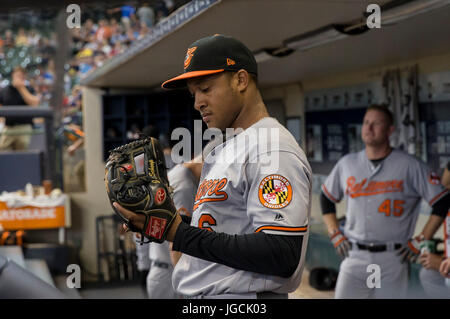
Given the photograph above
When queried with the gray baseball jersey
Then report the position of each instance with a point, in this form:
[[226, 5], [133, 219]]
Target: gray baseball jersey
[[249, 184], [159, 279], [383, 202], [184, 185]]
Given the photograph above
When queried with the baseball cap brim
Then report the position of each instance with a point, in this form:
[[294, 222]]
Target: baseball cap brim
[[180, 81]]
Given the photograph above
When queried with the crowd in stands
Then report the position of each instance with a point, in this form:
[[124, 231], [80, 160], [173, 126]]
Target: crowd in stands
[[104, 33]]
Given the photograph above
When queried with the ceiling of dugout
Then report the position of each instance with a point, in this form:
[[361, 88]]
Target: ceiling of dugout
[[267, 23]]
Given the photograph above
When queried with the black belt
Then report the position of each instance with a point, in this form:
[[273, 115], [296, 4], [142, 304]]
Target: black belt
[[376, 248]]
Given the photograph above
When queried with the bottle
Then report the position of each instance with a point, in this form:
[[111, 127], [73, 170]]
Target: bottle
[[427, 246], [29, 190], [47, 184]]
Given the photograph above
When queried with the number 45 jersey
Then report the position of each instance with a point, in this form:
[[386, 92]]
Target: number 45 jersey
[[383, 201]]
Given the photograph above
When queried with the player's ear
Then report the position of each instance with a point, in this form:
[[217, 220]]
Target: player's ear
[[243, 80]]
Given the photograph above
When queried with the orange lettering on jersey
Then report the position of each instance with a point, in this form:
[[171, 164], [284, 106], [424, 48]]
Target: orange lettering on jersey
[[211, 191], [206, 219], [355, 189]]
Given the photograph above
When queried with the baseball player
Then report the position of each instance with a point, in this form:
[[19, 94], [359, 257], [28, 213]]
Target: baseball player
[[432, 281], [383, 187], [249, 229], [184, 180]]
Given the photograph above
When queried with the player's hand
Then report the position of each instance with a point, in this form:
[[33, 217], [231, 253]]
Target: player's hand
[[444, 269], [137, 220], [430, 261], [411, 250], [340, 243]]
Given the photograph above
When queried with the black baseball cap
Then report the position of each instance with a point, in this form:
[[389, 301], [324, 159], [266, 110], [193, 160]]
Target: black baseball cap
[[213, 54]]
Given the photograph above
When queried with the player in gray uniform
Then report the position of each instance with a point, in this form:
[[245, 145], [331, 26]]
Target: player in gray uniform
[[183, 179], [383, 188], [434, 283], [249, 229]]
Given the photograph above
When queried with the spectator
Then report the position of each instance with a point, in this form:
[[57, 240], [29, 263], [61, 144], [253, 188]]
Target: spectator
[[9, 39], [21, 38], [118, 48], [127, 11], [103, 32], [170, 5], [159, 16], [49, 74], [114, 26], [146, 14], [160, 6], [17, 93], [101, 55], [88, 30], [33, 38], [143, 31]]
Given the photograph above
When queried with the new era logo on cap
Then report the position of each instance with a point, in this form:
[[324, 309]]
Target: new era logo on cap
[[212, 55]]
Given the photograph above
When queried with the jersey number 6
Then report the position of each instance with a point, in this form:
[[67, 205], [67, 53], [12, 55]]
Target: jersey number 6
[[396, 208], [208, 220]]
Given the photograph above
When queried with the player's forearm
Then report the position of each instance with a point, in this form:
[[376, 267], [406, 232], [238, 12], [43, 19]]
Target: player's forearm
[[331, 223], [329, 214], [174, 255], [431, 227], [258, 252]]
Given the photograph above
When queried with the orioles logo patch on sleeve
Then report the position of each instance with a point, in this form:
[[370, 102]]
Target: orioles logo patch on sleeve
[[275, 192]]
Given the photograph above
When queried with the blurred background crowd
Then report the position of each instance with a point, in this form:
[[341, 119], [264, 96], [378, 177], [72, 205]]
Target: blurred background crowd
[[28, 40]]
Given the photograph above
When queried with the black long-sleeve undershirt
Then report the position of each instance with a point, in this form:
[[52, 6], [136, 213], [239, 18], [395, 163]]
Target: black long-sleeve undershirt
[[441, 207], [327, 206], [268, 254]]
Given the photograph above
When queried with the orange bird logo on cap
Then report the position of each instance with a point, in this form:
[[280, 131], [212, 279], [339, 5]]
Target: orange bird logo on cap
[[189, 55]]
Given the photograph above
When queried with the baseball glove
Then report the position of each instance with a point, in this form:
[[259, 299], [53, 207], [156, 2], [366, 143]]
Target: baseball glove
[[136, 178]]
